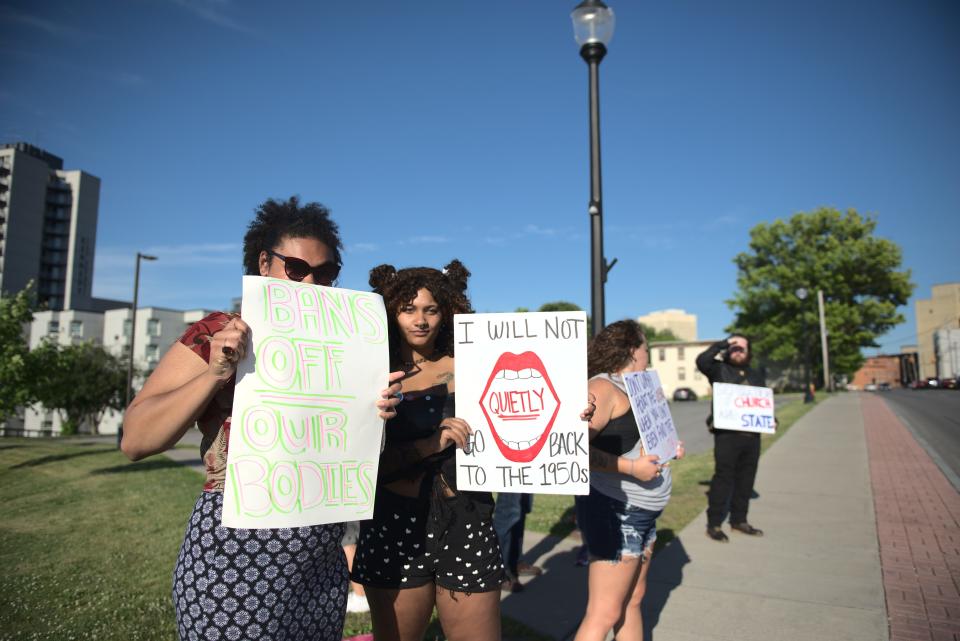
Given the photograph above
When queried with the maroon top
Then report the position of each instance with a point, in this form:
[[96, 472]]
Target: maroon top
[[214, 422]]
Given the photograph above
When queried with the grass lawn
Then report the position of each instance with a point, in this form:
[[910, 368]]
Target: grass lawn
[[88, 542], [553, 514]]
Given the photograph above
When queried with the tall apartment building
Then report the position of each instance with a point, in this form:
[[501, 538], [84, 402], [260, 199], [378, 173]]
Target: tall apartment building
[[682, 324], [940, 311], [48, 228]]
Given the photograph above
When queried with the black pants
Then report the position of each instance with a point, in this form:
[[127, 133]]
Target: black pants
[[735, 456]]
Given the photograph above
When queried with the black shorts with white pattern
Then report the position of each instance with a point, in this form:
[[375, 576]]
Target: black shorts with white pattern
[[408, 544]]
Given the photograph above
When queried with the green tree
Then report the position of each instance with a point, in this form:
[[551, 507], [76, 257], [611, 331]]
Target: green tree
[[653, 335], [559, 306], [836, 252], [658, 335], [81, 382], [15, 312]]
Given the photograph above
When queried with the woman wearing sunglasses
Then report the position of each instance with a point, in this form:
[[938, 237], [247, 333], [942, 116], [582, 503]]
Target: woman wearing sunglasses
[[233, 583]]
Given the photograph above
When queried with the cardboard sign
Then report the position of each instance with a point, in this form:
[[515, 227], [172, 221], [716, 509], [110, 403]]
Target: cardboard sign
[[657, 431], [743, 408], [521, 385], [305, 435]]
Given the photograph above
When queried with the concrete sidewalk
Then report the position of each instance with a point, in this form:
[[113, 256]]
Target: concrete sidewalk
[[815, 575]]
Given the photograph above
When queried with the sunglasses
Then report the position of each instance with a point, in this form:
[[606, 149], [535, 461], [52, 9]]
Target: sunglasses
[[297, 269]]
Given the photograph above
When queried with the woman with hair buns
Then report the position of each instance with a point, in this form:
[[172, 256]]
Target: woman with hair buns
[[235, 583], [427, 544]]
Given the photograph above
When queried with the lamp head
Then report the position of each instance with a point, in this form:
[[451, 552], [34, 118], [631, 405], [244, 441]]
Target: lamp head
[[593, 23], [146, 257]]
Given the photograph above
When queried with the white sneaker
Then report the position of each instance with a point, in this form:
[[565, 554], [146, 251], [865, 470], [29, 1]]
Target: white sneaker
[[357, 603]]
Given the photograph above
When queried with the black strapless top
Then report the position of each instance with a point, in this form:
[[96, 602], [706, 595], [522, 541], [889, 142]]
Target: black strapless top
[[619, 436], [419, 417]]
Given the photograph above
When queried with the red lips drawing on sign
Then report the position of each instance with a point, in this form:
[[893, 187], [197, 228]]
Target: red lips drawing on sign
[[520, 405]]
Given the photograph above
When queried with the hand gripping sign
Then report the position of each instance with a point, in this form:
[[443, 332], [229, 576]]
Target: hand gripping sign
[[305, 434], [657, 431], [743, 408], [521, 385]]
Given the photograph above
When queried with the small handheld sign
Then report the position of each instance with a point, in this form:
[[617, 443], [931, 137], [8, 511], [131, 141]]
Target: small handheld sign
[[657, 431], [743, 408]]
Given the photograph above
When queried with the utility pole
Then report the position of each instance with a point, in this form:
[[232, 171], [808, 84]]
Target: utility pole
[[827, 384]]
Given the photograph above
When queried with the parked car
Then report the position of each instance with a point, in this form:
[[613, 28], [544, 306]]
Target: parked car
[[684, 394], [949, 383], [884, 387], [870, 387], [931, 383]]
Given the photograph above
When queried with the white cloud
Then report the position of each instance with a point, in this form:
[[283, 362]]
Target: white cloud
[[171, 255], [50, 27], [424, 240], [210, 10]]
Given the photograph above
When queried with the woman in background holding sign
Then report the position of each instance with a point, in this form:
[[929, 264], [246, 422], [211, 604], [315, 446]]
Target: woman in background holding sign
[[618, 517], [427, 545], [234, 583]]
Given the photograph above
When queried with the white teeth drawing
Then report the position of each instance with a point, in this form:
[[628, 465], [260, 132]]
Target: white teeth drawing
[[520, 405]]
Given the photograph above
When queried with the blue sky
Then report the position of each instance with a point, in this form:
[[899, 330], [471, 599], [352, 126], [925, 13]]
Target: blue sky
[[458, 129]]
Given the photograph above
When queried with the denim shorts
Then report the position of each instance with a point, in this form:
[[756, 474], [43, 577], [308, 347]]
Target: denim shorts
[[613, 529]]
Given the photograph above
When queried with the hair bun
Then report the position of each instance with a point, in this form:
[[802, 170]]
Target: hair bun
[[381, 275], [457, 274]]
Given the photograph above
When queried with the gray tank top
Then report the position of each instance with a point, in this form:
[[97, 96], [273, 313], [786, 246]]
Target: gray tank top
[[650, 495]]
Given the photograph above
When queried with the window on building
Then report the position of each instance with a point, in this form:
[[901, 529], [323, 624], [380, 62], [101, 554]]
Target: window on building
[[153, 352], [53, 327], [76, 328], [662, 354], [127, 326], [681, 373], [680, 353], [153, 327]]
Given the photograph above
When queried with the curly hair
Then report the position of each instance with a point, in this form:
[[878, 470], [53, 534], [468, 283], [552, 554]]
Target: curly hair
[[448, 287], [276, 220], [613, 347]]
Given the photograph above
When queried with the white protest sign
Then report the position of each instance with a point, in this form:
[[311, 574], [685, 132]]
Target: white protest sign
[[743, 408], [521, 385], [305, 435], [657, 431]]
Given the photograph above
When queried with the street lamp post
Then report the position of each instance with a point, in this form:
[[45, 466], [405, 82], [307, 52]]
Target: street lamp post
[[827, 383], [593, 23], [801, 293], [133, 335]]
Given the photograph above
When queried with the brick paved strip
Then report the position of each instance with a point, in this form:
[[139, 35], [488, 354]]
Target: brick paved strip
[[918, 527]]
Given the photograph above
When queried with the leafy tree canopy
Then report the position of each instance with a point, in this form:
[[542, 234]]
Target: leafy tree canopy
[[80, 381], [15, 312], [836, 252], [653, 335], [559, 306], [658, 335]]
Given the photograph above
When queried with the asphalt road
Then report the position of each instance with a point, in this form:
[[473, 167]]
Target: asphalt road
[[689, 418], [933, 417]]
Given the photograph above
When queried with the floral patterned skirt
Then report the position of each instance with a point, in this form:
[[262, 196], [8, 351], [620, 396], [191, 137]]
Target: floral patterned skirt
[[279, 584]]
